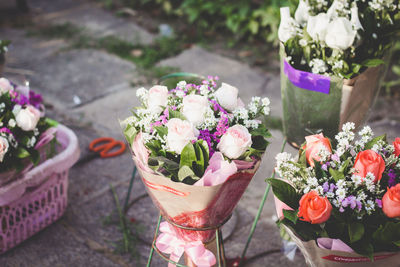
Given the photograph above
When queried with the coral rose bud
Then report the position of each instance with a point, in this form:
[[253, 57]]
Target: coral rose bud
[[391, 202], [314, 209], [396, 145], [314, 144], [369, 161]]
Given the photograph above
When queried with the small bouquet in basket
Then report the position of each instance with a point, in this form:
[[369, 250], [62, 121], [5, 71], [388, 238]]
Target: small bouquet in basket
[[197, 147], [24, 131], [341, 200], [333, 59]]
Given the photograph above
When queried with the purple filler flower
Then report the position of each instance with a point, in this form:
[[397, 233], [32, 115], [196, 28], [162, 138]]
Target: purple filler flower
[[35, 99], [378, 202], [325, 186], [392, 178]]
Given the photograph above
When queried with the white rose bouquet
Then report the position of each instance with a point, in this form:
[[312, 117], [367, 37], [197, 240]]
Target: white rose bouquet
[[339, 37], [332, 62], [197, 147], [23, 129]]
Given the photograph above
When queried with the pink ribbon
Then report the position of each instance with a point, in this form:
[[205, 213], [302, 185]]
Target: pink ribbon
[[169, 243]]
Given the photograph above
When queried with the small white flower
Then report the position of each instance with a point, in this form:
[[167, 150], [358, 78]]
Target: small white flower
[[318, 66], [341, 193], [182, 84], [12, 123], [303, 42], [357, 180]]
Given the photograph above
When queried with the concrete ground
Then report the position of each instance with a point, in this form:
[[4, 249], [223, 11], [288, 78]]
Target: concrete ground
[[89, 90]]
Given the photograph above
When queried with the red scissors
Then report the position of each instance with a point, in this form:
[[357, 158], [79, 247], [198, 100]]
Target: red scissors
[[106, 145]]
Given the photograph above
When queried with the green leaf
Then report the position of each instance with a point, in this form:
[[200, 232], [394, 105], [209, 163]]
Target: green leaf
[[22, 153], [130, 133], [261, 131], [185, 171], [161, 130], [356, 67], [259, 143], [188, 155], [344, 165], [373, 62], [374, 141], [51, 122], [175, 114], [206, 153], [291, 215], [388, 233], [285, 192], [397, 243], [336, 175], [35, 156], [356, 231]]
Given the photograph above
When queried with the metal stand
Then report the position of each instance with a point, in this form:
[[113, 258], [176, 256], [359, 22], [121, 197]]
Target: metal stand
[[257, 218], [218, 238]]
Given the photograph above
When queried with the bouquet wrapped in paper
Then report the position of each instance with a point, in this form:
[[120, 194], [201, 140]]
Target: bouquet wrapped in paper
[[26, 136], [334, 55], [197, 147], [340, 200]]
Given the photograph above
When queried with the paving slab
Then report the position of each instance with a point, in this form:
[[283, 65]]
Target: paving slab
[[86, 74], [107, 111], [250, 82], [95, 20], [53, 246]]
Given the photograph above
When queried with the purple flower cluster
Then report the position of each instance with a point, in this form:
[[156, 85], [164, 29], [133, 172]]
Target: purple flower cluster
[[328, 187], [352, 202], [392, 178], [209, 138], [5, 130], [217, 107], [222, 126]]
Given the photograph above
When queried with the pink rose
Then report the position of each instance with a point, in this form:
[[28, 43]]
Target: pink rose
[[5, 86], [235, 141], [314, 144], [194, 107], [369, 161], [180, 133], [141, 152], [157, 98], [3, 147], [217, 171], [396, 145], [391, 202], [28, 118]]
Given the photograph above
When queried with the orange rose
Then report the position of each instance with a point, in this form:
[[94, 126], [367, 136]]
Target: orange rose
[[369, 161], [314, 143], [314, 209], [391, 202], [396, 145]]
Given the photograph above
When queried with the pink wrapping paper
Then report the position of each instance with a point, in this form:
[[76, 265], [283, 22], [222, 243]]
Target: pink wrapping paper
[[196, 206]]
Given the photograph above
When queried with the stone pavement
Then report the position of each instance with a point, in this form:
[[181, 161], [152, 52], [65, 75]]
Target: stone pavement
[[89, 90]]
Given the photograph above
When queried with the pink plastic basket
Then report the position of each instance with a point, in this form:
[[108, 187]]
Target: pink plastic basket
[[34, 201]]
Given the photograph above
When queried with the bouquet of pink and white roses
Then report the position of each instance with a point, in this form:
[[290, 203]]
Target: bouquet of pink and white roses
[[345, 194], [23, 128], [197, 147]]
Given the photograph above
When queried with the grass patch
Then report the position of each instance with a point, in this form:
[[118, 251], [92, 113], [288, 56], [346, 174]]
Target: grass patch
[[59, 31], [144, 56]]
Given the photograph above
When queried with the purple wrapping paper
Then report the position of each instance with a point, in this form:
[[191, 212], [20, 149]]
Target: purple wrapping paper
[[307, 80]]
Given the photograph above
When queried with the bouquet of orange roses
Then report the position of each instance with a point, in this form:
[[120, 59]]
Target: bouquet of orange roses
[[340, 200]]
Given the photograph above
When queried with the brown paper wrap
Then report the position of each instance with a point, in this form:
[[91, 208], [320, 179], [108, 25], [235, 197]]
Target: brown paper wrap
[[317, 257], [196, 206]]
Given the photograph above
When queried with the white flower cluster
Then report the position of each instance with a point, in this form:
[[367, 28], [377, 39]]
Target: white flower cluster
[[380, 5]]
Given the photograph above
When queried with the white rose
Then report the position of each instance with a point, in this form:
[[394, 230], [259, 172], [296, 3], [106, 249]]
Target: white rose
[[340, 34], [28, 118], [317, 26], [287, 27], [194, 108], [180, 133], [157, 98], [3, 147], [302, 14], [5, 86], [355, 20], [235, 141], [227, 96]]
